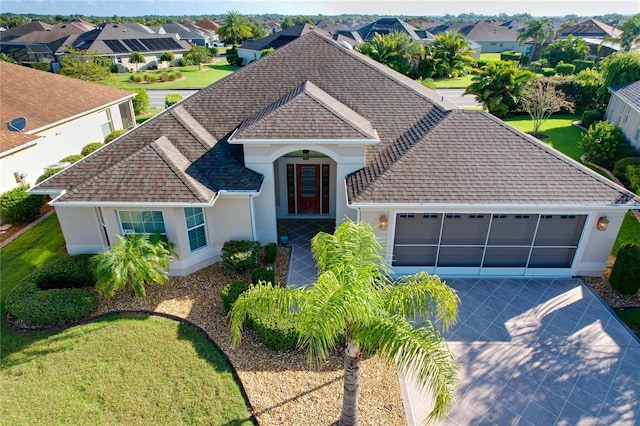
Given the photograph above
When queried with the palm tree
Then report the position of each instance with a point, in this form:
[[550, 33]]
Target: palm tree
[[451, 55], [396, 50], [538, 30], [235, 28], [353, 299], [133, 260]]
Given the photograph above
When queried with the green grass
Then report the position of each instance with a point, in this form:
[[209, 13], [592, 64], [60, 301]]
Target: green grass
[[192, 77], [151, 112], [629, 232], [122, 369], [453, 83], [36, 247], [490, 56], [632, 318]]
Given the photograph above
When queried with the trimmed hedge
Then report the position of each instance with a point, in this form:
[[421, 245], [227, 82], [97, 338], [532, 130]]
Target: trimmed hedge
[[583, 64], [276, 334], [548, 72], [90, 147], [271, 252], [266, 274], [626, 270], [240, 255], [48, 174], [52, 295], [16, 205], [620, 167], [565, 69], [625, 149], [510, 56], [633, 176], [231, 292], [172, 99], [590, 116], [114, 135], [71, 158]]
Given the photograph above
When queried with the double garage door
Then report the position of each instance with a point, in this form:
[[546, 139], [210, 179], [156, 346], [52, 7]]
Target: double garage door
[[485, 242]]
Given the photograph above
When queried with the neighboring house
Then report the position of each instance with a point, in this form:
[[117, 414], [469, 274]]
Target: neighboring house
[[486, 37], [63, 114], [330, 133], [190, 34], [383, 26], [597, 35], [21, 30], [118, 41], [624, 111], [250, 50]]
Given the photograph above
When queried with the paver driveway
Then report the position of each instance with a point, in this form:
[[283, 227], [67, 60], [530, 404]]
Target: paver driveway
[[537, 352]]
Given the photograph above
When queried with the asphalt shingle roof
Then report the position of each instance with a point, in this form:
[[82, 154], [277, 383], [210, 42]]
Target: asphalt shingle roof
[[428, 151], [629, 92]]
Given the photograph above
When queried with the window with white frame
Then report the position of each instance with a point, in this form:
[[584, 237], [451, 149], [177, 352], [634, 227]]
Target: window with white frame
[[194, 217], [142, 222]]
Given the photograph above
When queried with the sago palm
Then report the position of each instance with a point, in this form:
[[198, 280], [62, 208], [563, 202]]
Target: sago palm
[[353, 300], [134, 261]]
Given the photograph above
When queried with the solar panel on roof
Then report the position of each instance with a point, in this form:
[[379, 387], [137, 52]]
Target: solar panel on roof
[[116, 46], [135, 45]]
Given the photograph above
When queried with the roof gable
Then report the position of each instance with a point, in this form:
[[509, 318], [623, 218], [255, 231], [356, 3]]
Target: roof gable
[[318, 116]]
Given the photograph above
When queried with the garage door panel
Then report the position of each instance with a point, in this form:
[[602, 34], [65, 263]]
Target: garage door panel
[[561, 257], [506, 257], [559, 230], [460, 256], [414, 256], [517, 230], [465, 229], [418, 228]]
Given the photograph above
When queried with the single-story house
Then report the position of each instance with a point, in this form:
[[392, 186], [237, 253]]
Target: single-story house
[[251, 50], [62, 114], [383, 26], [624, 110], [329, 133]]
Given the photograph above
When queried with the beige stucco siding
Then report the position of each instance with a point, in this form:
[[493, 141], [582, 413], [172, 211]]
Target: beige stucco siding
[[82, 229], [620, 113]]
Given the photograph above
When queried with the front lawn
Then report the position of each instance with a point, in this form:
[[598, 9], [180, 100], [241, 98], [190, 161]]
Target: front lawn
[[490, 56], [632, 318], [453, 83], [36, 247], [192, 77], [121, 369]]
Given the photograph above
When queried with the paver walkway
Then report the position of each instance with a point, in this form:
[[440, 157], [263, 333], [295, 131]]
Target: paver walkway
[[537, 352]]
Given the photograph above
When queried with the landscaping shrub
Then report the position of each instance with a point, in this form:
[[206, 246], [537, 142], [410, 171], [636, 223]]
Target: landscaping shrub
[[565, 69], [626, 270], [590, 116], [136, 78], [42, 66], [90, 147], [183, 62], [240, 255], [536, 66], [271, 252], [172, 99], [48, 174], [114, 135], [276, 334], [633, 176], [510, 56], [231, 292], [548, 72], [150, 78], [263, 274], [140, 101], [52, 294], [600, 143], [16, 205], [625, 149], [481, 63], [524, 60], [175, 75], [164, 77], [71, 158], [583, 64], [620, 167]]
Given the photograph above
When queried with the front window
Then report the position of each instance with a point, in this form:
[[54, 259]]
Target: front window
[[147, 222], [125, 115], [194, 217]]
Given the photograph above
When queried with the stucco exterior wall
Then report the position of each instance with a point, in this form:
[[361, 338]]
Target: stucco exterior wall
[[248, 55], [620, 113], [56, 143], [82, 230], [499, 46], [595, 246]]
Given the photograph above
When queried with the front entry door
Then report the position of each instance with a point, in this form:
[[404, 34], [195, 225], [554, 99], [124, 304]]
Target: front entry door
[[308, 183]]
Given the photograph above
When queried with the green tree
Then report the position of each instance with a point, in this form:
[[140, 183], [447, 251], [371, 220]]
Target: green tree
[[620, 68], [198, 55], [540, 99], [630, 32], [137, 58], [5, 58], [258, 31], [287, 22], [140, 102], [536, 30], [354, 300], [83, 64], [451, 55], [134, 260], [235, 28], [565, 50], [396, 50], [168, 57], [265, 52], [498, 87], [600, 143]]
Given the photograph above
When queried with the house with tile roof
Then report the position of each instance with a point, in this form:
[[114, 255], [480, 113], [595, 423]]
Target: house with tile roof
[[62, 115], [250, 50], [624, 111], [383, 26], [328, 133]]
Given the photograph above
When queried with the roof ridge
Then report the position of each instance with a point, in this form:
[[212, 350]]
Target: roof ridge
[[627, 195], [176, 162], [193, 126]]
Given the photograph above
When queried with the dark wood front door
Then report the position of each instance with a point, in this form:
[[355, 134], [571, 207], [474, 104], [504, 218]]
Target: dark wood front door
[[308, 183]]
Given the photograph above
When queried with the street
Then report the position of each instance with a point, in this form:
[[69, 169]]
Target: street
[[156, 97], [455, 96]]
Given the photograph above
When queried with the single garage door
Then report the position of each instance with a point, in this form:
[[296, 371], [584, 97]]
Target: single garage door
[[482, 241]]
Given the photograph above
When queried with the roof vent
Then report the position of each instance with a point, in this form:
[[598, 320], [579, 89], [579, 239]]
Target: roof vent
[[17, 124], [345, 44]]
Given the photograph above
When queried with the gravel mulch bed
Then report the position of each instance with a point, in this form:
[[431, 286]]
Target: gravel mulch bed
[[280, 387], [611, 297]]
